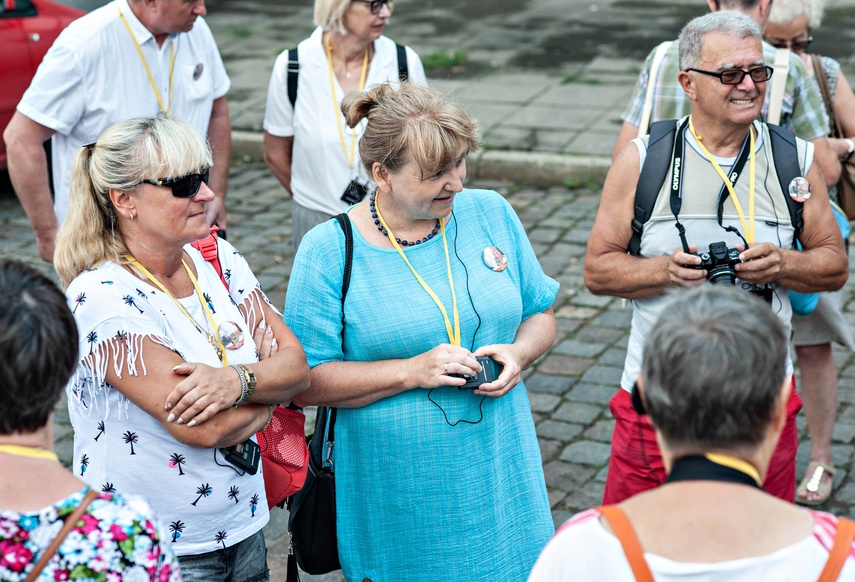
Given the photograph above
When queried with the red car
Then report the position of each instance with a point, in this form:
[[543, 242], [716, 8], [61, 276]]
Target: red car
[[27, 30]]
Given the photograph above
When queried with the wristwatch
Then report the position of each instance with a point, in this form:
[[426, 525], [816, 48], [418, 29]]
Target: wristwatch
[[250, 382]]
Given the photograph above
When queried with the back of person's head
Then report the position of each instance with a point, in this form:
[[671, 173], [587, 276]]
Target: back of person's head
[[413, 123], [38, 347], [785, 11], [140, 148], [691, 40], [713, 367], [330, 13]]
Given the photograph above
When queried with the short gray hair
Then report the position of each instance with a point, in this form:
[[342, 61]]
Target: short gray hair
[[784, 11], [713, 367], [734, 24]]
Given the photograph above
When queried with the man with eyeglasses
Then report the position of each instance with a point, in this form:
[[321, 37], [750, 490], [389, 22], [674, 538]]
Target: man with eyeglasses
[[802, 109], [129, 58], [721, 191]]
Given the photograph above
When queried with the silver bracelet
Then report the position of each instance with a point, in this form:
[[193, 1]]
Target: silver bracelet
[[244, 388]]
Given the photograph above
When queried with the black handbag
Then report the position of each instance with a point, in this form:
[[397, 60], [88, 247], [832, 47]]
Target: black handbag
[[312, 516]]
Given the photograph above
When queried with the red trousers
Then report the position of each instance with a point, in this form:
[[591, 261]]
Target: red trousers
[[635, 464]]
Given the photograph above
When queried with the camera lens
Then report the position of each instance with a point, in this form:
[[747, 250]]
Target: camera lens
[[724, 275]]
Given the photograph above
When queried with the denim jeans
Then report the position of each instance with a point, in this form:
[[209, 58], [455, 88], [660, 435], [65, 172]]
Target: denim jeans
[[245, 561]]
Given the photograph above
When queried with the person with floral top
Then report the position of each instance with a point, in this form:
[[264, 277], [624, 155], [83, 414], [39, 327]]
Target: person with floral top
[[116, 538]]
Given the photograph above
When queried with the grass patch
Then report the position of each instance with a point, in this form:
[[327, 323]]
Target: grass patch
[[576, 78], [444, 60], [241, 32], [589, 183]]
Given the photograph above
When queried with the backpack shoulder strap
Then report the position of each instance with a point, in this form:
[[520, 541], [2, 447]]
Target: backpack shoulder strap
[[629, 542], [653, 172], [652, 78], [779, 82], [839, 551], [208, 247], [293, 75], [786, 155], [403, 67]]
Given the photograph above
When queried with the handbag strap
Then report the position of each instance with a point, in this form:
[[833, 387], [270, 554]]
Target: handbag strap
[[839, 550], [628, 540], [344, 223], [821, 80], [69, 524]]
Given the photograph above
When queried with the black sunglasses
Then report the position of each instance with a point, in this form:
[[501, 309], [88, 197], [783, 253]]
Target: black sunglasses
[[185, 186], [735, 76], [795, 46], [377, 5]]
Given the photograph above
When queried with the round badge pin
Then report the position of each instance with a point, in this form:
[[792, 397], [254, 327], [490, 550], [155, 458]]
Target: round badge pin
[[799, 189], [495, 259], [231, 335]]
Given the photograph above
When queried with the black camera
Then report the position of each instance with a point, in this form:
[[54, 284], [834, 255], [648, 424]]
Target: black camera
[[490, 370], [719, 263]]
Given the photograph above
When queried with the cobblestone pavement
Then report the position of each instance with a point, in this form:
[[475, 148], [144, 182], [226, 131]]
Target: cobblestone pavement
[[569, 387]]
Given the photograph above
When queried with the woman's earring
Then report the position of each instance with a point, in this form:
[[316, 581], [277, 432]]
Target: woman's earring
[[132, 216]]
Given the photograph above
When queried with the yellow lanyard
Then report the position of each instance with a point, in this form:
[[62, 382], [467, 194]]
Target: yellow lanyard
[[166, 110], [747, 227], [736, 465], [348, 156], [31, 452], [453, 331], [211, 337]]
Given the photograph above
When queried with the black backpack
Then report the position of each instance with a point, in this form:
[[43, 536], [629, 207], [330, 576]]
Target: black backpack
[[294, 70], [656, 164]]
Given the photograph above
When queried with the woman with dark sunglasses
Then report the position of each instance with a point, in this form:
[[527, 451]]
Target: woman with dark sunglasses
[[179, 367], [307, 144], [790, 25]]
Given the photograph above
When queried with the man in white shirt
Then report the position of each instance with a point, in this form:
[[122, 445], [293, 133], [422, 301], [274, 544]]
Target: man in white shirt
[[129, 58]]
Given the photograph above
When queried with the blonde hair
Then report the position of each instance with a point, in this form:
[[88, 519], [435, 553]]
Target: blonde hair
[[413, 123], [126, 153], [329, 14], [785, 11]]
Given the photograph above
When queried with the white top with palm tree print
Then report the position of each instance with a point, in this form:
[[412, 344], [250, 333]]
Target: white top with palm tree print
[[203, 500]]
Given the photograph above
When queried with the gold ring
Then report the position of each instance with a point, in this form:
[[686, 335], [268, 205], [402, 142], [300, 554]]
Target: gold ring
[[446, 368]]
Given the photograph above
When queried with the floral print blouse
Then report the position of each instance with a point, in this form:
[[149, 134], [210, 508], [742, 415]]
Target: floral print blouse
[[117, 539]]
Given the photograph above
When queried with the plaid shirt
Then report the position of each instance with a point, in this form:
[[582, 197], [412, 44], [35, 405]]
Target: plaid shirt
[[802, 111]]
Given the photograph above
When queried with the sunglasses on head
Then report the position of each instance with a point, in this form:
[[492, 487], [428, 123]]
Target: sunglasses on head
[[377, 5], [185, 186]]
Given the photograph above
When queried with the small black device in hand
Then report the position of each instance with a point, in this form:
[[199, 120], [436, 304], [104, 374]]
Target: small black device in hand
[[718, 263], [490, 370], [245, 455], [354, 192]]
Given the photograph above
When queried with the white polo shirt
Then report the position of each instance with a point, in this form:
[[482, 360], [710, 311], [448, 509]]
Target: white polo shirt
[[93, 77], [319, 168]]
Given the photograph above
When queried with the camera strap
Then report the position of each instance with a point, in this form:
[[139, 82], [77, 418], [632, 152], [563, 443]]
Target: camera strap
[[736, 170], [714, 467], [727, 188]]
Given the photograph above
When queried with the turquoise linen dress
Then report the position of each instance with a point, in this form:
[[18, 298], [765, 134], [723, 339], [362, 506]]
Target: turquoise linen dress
[[430, 484]]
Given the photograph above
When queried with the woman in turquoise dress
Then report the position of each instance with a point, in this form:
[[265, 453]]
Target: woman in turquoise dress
[[433, 481]]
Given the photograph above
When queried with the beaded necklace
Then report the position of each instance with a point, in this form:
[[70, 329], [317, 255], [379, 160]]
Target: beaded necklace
[[403, 243]]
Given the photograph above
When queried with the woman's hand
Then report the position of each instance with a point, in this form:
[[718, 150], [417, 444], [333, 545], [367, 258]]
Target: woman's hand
[[203, 393], [507, 355], [265, 341], [432, 368]]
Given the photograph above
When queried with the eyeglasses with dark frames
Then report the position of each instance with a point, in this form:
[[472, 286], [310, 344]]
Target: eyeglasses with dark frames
[[186, 186], [377, 5], [735, 76], [796, 46]]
